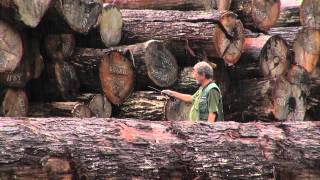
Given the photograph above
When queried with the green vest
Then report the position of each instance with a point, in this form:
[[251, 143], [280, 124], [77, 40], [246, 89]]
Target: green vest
[[199, 110]]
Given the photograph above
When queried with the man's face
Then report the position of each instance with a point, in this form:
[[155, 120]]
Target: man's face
[[199, 78]]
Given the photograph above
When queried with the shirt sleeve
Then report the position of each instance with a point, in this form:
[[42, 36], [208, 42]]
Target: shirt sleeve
[[213, 100]]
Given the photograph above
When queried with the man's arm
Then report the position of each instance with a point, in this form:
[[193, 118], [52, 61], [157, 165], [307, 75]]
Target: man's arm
[[183, 97], [212, 117]]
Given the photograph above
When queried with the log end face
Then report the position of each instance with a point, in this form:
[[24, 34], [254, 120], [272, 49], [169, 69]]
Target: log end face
[[15, 103], [111, 26], [116, 76], [310, 14], [265, 13], [100, 106], [161, 65], [176, 110], [81, 111]]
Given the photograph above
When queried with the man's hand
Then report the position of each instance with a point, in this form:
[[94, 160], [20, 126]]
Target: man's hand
[[177, 95], [212, 117]]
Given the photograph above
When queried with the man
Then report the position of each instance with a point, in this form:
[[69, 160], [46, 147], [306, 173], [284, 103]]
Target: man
[[207, 101]]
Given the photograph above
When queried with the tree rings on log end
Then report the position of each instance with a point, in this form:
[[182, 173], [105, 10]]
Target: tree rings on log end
[[100, 106], [81, 111], [216, 4], [116, 76], [67, 80], [265, 13], [161, 65], [15, 103], [310, 14], [32, 11], [307, 49], [229, 44], [81, 15], [11, 48], [111, 25], [274, 57], [60, 46], [176, 110]]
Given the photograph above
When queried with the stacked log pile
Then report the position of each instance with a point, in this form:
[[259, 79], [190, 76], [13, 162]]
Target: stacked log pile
[[265, 55]]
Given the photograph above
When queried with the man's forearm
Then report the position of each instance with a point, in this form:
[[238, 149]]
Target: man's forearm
[[212, 117], [181, 96]]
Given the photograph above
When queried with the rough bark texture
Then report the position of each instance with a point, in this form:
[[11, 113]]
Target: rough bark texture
[[264, 56], [59, 47], [173, 4], [11, 48], [307, 50], [287, 33], [187, 32], [257, 14], [289, 14], [80, 15], [126, 149], [310, 14], [146, 105], [29, 12]]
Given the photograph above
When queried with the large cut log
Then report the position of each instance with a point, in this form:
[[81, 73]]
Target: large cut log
[[15, 103], [264, 56], [29, 12], [307, 50], [289, 14], [314, 98], [176, 110], [108, 33], [173, 4], [257, 14], [59, 47], [147, 105], [11, 47], [215, 33], [126, 149], [310, 14], [287, 33], [282, 98]]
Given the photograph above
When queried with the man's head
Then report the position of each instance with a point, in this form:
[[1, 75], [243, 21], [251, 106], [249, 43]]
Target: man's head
[[202, 72]]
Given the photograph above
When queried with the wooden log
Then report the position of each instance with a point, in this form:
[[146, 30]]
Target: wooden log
[[264, 56], [59, 47], [82, 15], [187, 32], [257, 14], [127, 149], [29, 12], [11, 48], [176, 110], [147, 105], [313, 100], [287, 33], [173, 4], [289, 14], [100, 106], [307, 51], [309, 14], [108, 33], [15, 103]]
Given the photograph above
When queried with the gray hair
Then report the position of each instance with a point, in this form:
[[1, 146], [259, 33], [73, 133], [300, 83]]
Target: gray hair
[[204, 68]]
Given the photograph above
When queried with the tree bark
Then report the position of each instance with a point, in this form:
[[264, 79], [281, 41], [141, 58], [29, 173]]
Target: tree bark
[[289, 14], [264, 56], [59, 47], [11, 50], [187, 32], [173, 4], [257, 14], [309, 14], [176, 110], [147, 105], [307, 50], [105, 70], [287, 33], [29, 12], [100, 106], [126, 149], [15, 103]]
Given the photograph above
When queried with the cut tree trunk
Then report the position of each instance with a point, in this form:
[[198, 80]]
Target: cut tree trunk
[[100, 106], [59, 47], [310, 14], [81, 15], [307, 51], [264, 56], [107, 70], [314, 99], [176, 110], [173, 4], [257, 14], [289, 14], [11, 48], [127, 149], [147, 105], [287, 33], [29, 12], [107, 34], [15, 103], [214, 33]]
